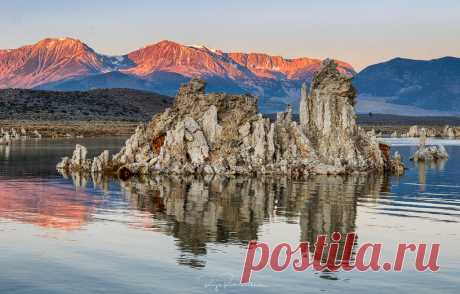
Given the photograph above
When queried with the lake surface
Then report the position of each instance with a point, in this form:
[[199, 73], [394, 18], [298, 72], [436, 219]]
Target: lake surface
[[76, 234]]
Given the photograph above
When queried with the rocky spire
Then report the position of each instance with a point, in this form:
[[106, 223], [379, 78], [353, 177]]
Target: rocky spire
[[327, 115], [303, 108]]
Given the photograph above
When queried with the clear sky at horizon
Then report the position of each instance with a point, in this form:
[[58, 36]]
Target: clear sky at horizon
[[357, 31]]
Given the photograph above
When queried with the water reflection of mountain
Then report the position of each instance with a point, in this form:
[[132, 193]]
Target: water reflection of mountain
[[39, 203], [197, 211]]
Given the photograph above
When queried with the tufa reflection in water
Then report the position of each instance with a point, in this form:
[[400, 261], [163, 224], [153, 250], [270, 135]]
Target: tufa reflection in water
[[438, 165], [197, 211], [5, 151]]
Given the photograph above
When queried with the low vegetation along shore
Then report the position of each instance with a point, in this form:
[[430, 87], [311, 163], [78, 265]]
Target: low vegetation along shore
[[71, 129]]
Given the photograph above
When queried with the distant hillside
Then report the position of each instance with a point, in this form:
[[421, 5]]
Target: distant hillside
[[401, 120], [101, 105], [432, 85], [394, 120]]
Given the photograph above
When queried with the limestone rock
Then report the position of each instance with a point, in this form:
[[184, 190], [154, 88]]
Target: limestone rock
[[415, 131], [64, 164], [211, 127], [451, 132], [329, 121], [14, 134], [429, 153], [397, 164], [136, 149], [196, 145], [78, 162], [132, 169], [37, 134], [5, 138], [303, 108], [101, 163]]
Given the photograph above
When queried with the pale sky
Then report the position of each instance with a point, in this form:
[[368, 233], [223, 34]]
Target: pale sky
[[360, 32]]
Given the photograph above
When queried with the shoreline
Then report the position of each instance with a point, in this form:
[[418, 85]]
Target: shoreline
[[63, 128], [72, 129]]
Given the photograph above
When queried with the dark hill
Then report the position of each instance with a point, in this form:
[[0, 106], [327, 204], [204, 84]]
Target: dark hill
[[100, 105]]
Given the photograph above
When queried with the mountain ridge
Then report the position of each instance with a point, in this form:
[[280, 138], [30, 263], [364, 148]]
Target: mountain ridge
[[69, 64]]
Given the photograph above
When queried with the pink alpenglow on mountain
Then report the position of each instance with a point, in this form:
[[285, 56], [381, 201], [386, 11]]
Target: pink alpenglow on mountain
[[47, 61], [69, 64]]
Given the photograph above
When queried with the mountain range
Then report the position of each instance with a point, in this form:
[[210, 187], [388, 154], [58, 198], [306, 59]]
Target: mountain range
[[398, 86], [410, 87], [68, 64]]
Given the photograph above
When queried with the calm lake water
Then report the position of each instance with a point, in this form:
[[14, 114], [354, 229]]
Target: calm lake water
[[76, 234]]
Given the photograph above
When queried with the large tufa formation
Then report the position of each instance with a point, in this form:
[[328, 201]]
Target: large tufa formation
[[219, 133]]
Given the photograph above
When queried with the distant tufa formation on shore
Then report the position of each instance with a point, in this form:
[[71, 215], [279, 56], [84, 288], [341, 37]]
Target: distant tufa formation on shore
[[9, 136], [445, 132], [224, 134]]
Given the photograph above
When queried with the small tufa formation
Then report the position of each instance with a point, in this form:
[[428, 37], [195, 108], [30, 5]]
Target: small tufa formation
[[101, 163], [429, 153], [397, 165], [78, 162], [218, 133], [416, 131], [37, 134], [9, 136], [5, 138]]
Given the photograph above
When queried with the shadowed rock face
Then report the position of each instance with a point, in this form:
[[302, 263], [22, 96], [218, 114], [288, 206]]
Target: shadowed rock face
[[219, 133], [328, 110], [328, 119]]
